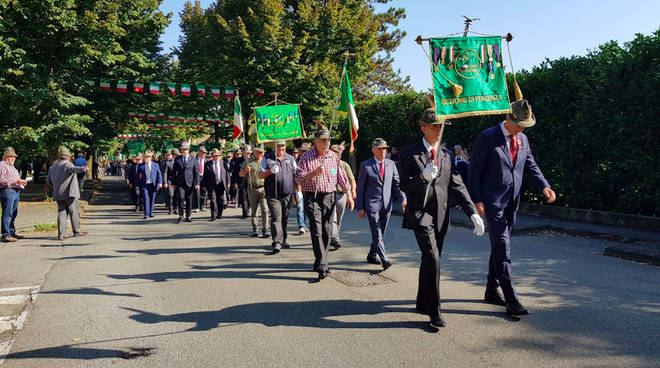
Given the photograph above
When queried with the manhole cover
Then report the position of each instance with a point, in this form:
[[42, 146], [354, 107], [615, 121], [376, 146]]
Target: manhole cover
[[360, 278]]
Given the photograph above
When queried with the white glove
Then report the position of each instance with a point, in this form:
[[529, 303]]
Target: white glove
[[275, 169], [430, 172], [270, 163], [299, 197], [479, 227]]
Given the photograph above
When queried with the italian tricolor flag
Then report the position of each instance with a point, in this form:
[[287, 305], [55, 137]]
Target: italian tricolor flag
[[154, 88], [238, 119], [185, 89], [201, 89], [229, 92], [121, 87], [215, 90], [105, 85], [172, 88], [346, 105], [138, 87]]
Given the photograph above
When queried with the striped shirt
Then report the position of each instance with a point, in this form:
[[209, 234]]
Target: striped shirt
[[333, 173], [8, 175]]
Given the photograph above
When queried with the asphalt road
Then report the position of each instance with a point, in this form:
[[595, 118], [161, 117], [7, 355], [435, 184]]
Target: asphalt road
[[206, 294]]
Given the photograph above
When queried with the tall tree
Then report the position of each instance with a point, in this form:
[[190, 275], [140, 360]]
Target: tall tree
[[49, 48], [293, 47]]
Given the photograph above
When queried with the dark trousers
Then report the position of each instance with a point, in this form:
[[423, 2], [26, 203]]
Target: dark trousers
[[499, 264], [217, 199], [243, 198], [279, 217], [378, 224], [430, 241], [168, 195], [185, 197], [134, 196], [199, 199], [9, 199], [319, 210], [148, 192]]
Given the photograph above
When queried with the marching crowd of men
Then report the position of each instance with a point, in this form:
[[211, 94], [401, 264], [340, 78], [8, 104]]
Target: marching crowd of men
[[320, 186]]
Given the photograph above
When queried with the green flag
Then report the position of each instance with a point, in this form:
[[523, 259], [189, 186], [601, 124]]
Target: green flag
[[346, 105], [468, 76]]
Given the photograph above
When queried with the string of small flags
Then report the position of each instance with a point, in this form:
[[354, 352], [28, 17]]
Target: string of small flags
[[155, 88], [152, 116], [165, 125]]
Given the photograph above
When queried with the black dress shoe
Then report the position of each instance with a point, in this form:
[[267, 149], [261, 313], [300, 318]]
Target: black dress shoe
[[373, 261], [286, 245], [179, 220], [386, 265], [323, 274], [144, 218], [188, 219], [437, 321], [516, 309], [336, 245], [212, 219], [494, 297], [16, 236], [255, 234]]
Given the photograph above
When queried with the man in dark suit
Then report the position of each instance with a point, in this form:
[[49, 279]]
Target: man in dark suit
[[148, 180], [378, 180], [500, 157], [215, 183], [129, 175], [428, 181], [166, 167], [199, 197], [186, 180]]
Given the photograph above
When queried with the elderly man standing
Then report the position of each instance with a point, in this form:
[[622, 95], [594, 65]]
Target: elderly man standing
[[63, 180], [501, 156], [186, 180], [255, 191], [278, 168], [429, 184], [149, 179], [10, 185], [215, 183], [199, 198], [378, 182], [319, 172]]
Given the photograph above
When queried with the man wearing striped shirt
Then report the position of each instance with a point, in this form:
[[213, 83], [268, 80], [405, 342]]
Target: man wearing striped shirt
[[319, 172]]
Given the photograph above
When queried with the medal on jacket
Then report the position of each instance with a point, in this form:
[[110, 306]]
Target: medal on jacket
[[490, 62], [497, 55]]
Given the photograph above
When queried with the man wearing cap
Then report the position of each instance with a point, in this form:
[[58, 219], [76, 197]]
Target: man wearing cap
[[199, 198], [234, 170], [300, 203], [164, 170], [10, 186], [129, 175], [340, 198], [255, 191], [378, 183], [215, 183], [278, 168], [149, 179], [243, 197], [501, 156], [186, 180], [63, 180], [81, 162], [429, 183], [319, 173]]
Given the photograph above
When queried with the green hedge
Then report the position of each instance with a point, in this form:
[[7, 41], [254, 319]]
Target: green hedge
[[597, 137]]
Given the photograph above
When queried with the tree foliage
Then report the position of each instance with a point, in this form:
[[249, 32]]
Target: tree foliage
[[293, 47], [47, 50]]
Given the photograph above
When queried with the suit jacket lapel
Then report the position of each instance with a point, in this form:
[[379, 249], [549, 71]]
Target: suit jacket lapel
[[503, 147], [423, 155]]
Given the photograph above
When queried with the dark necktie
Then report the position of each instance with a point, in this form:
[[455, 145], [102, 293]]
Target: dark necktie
[[513, 148], [382, 170]]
